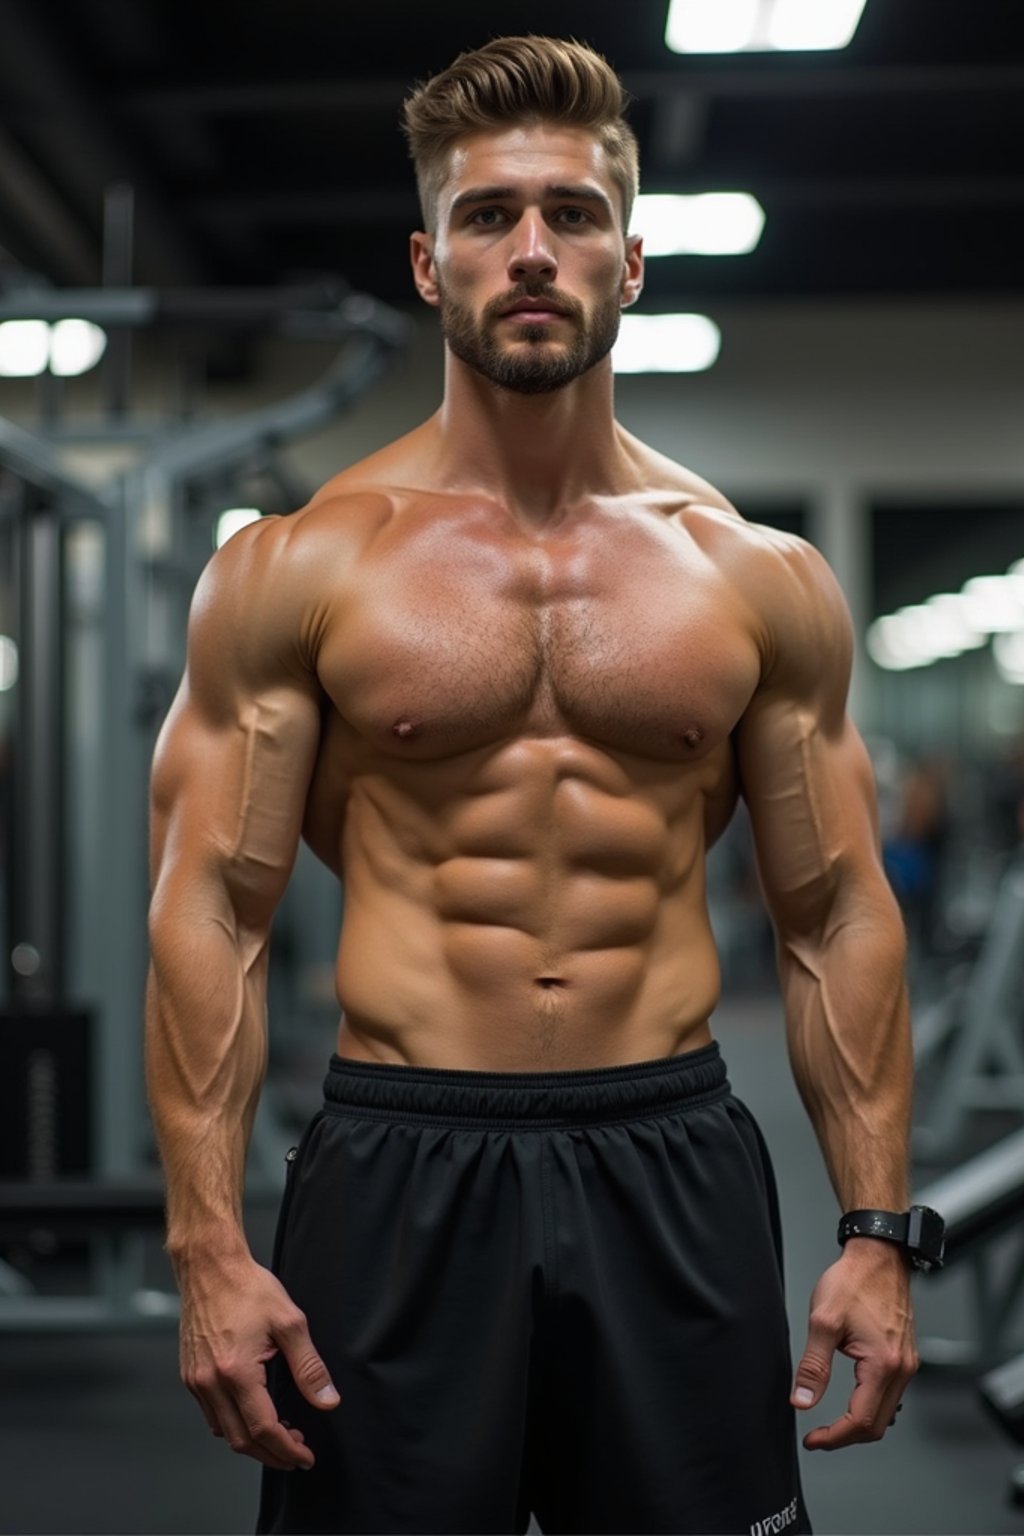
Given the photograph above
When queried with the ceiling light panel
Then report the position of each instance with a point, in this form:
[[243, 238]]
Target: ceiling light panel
[[699, 224], [761, 26]]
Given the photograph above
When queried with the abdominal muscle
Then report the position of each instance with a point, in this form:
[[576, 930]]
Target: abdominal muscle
[[538, 919]]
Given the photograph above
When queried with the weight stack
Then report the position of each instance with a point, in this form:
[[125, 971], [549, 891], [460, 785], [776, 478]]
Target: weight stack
[[1002, 1392], [45, 1093]]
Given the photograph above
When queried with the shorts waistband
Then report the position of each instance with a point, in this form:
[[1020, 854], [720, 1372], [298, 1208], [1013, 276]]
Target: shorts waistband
[[541, 1099]]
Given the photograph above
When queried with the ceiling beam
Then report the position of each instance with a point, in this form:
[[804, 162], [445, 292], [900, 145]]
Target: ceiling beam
[[50, 107], [40, 229], [785, 81]]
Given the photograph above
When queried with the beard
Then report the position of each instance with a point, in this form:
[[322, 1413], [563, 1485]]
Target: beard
[[534, 364]]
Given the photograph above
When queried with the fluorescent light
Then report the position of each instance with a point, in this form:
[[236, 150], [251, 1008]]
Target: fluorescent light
[[666, 344], [760, 26], [230, 522], [890, 643], [8, 663], [923, 633], [955, 611], [722, 26], [28, 347], [24, 348], [701, 224], [75, 347], [797, 24], [995, 603], [1008, 650], [953, 622], [935, 633]]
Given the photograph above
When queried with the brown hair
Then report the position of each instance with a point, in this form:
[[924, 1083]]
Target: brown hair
[[515, 80]]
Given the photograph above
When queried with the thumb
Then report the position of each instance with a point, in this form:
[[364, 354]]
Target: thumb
[[309, 1372], [815, 1369]]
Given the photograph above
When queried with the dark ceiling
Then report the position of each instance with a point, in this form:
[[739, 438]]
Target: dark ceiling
[[263, 146]]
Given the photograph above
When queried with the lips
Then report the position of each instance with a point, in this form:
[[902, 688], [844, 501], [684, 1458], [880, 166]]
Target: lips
[[534, 307]]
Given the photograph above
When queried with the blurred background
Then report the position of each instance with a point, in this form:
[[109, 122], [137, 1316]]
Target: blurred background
[[206, 311]]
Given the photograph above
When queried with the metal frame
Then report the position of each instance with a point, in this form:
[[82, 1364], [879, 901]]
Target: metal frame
[[146, 521], [981, 1029]]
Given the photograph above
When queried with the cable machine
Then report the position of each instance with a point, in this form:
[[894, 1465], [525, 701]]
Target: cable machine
[[97, 588]]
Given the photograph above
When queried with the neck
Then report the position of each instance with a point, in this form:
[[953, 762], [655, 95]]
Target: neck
[[537, 453]]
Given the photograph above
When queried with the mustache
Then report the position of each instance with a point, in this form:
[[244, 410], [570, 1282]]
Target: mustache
[[495, 308]]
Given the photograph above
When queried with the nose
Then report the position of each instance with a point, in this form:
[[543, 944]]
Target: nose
[[532, 254]]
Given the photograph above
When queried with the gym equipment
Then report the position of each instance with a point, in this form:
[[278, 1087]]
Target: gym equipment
[[105, 571], [983, 1202], [972, 1039], [45, 1060], [1002, 1392]]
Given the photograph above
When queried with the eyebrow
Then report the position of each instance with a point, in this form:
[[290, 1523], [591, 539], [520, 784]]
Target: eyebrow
[[583, 193]]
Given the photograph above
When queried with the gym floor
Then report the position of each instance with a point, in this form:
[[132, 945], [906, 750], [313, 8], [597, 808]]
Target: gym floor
[[96, 1435]]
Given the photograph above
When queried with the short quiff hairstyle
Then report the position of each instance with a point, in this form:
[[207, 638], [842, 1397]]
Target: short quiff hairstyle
[[514, 80]]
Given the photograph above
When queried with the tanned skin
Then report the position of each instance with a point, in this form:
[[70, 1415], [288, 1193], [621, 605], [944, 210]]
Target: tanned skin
[[508, 677]]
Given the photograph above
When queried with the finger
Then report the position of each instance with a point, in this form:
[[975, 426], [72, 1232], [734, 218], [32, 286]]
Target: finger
[[208, 1413], [282, 1458], [872, 1405], [814, 1371], [264, 1431], [226, 1423], [309, 1372], [892, 1403]]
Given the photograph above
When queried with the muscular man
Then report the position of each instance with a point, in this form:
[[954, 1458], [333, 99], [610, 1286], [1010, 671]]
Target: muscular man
[[507, 677]]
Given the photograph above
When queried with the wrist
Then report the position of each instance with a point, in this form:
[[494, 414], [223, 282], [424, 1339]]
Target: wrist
[[212, 1248], [875, 1250]]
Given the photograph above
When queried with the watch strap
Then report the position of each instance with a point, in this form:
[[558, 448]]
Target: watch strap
[[919, 1231], [892, 1225]]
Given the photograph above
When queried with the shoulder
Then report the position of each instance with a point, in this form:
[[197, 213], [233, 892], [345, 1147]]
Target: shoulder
[[795, 607], [803, 621], [275, 581]]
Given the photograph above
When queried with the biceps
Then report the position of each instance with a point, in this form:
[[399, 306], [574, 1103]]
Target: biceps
[[228, 801], [812, 806]]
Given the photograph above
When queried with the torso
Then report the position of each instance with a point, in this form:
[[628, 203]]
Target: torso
[[525, 758]]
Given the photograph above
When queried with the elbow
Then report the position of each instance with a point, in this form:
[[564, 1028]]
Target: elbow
[[848, 904]]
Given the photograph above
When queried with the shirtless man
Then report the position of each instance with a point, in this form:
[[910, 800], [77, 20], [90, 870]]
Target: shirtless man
[[508, 677]]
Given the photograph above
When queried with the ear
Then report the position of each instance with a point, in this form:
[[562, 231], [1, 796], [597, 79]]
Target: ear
[[421, 254], [633, 271]]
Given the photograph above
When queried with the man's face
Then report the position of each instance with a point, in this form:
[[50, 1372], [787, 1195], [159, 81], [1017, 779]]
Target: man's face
[[529, 266]]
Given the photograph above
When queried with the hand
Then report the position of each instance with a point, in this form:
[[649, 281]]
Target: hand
[[860, 1307], [235, 1316]]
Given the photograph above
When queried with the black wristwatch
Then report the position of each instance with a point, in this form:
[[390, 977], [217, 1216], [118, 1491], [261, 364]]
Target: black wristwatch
[[920, 1231]]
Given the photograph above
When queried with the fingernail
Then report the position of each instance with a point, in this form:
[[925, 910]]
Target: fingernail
[[803, 1396], [327, 1395]]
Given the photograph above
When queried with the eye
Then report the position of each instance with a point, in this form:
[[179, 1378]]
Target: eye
[[574, 216], [486, 218]]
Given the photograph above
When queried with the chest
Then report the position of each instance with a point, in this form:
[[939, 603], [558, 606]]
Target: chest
[[619, 632]]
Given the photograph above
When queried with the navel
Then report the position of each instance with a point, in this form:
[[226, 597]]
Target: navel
[[549, 982]]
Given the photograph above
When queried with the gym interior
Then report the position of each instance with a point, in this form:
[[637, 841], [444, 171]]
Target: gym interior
[[205, 312]]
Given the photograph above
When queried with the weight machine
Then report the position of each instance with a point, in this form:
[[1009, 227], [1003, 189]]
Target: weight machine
[[104, 573]]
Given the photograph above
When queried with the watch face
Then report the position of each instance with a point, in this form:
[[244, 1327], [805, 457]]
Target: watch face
[[925, 1233]]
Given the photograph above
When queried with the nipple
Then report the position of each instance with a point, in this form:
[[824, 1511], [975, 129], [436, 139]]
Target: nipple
[[403, 729], [694, 736]]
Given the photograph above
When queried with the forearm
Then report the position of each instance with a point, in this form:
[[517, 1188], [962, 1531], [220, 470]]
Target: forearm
[[848, 1028], [205, 1061]]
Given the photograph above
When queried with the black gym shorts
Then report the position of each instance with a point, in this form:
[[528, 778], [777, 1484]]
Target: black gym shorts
[[556, 1292]]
